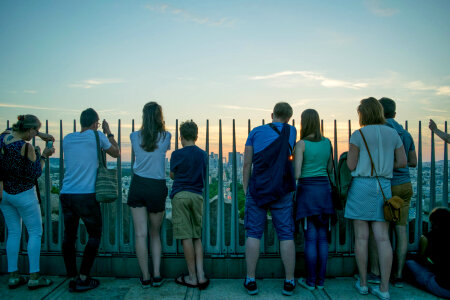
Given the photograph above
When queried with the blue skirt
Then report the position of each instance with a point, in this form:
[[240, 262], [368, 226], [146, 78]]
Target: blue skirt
[[313, 197], [365, 200]]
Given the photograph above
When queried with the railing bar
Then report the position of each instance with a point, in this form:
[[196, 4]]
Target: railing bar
[[206, 216], [220, 200], [119, 238], [445, 177], [432, 202], [419, 184], [234, 237], [48, 203]]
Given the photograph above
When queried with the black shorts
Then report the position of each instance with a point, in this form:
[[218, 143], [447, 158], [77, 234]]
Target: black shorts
[[148, 192]]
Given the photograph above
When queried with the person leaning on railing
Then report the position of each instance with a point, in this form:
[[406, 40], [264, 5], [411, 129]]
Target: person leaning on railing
[[444, 136], [21, 165], [365, 200]]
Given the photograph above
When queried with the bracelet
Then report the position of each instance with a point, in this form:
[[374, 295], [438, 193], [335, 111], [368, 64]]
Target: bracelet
[[110, 135], [43, 157]]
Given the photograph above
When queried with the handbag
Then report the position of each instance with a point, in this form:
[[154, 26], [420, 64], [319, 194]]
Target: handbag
[[337, 204], [106, 182], [391, 207]]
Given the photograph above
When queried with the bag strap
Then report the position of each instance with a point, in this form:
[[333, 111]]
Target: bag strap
[[334, 167], [279, 133], [25, 157], [101, 158], [372, 164]]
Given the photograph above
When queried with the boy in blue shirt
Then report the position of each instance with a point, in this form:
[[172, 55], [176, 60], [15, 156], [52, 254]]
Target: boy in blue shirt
[[188, 170]]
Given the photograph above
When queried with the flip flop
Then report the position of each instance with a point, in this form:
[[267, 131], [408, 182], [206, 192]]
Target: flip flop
[[203, 285], [183, 282]]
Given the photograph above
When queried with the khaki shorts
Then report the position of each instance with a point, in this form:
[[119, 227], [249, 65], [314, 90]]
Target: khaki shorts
[[187, 211], [405, 192]]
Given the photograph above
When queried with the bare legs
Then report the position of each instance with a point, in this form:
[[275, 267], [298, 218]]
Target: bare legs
[[193, 253], [287, 249], [381, 236], [401, 248], [140, 221]]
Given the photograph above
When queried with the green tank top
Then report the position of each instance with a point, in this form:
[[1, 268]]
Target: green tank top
[[315, 158]]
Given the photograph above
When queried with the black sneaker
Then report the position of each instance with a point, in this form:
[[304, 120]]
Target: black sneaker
[[251, 287], [72, 285], [288, 288], [157, 281], [86, 285], [145, 283]]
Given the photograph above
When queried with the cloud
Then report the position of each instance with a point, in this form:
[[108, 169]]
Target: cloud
[[90, 83], [237, 107], [435, 110], [315, 76], [9, 105], [420, 86], [30, 91], [189, 17], [375, 7]]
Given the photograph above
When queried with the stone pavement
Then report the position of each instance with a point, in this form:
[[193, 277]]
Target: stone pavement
[[232, 289]]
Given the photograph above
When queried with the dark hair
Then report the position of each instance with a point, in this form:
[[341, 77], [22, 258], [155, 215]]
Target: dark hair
[[88, 117], [388, 107], [26, 122], [189, 130], [310, 124], [282, 110], [152, 125], [370, 112], [440, 219]]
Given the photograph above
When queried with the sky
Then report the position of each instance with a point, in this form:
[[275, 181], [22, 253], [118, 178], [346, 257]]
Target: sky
[[224, 60]]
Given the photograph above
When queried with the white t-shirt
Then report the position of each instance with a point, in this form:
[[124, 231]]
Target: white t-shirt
[[150, 164], [382, 141], [81, 162]]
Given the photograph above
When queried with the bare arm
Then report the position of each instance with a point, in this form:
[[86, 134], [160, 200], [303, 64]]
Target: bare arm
[[352, 157], [114, 150], [298, 162], [412, 159], [444, 136], [400, 158], [247, 168]]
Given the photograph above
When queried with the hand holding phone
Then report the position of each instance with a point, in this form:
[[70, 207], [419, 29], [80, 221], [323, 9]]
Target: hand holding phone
[[49, 144]]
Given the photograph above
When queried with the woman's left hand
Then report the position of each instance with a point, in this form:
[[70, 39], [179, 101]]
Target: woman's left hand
[[46, 137]]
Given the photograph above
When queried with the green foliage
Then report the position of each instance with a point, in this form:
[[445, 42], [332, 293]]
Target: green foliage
[[54, 190], [213, 188], [240, 198]]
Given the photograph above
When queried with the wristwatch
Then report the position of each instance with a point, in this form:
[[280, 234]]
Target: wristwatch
[[43, 157]]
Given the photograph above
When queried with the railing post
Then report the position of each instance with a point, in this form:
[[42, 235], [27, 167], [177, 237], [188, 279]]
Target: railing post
[[234, 221], [220, 200], [206, 216], [119, 238], [249, 126], [445, 177], [321, 126], [419, 185], [176, 134], [432, 202], [48, 202]]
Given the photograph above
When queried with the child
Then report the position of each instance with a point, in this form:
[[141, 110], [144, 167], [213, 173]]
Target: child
[[188, 170]]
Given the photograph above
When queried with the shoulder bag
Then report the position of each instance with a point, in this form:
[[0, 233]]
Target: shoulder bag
[[106, 182], [391, 207]]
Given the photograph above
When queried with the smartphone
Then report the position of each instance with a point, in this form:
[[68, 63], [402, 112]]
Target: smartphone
[[49, 144]]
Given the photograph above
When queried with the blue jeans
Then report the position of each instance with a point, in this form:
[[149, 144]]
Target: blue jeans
[[316, 251], [426, 279]]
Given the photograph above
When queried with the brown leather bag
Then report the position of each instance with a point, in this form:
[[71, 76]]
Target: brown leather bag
[[391, 207]]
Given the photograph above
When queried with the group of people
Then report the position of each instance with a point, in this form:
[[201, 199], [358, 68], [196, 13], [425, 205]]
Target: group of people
[[275, 168]]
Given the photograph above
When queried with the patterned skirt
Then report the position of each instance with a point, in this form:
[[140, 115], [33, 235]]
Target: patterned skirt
[[365, 200]]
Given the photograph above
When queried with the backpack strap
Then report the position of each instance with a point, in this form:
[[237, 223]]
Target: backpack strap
[[279, 133], [372, 164], [101, 158]]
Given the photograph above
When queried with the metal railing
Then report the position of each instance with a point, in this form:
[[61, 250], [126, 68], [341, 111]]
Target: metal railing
[[223, 231]]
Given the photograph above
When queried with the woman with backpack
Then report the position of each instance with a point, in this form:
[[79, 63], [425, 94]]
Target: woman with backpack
[[21, 166], [313, 162], [148, 190], [379, 144]]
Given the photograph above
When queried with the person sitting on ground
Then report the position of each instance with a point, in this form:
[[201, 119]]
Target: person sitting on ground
[[431, 270], [78, 196], [188, 170], [148, 190], [313, 163], [21, 166], [444, 136], [268, 181]]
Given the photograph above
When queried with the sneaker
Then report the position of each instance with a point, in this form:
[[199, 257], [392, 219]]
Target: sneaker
[[302, 282], [251, 287], [363, 290], [86, 285], [145, 283], [379, 294], [320, 287], [371, 278], [397, 282], [157, 281], [288, 288], [37, 281], [15, 280], [72, 285]]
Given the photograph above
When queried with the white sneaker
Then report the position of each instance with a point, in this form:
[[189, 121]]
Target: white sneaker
[[363, 290], [380, 295], [302, 282]]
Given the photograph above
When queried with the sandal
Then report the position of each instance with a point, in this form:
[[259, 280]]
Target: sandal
[[16, 280], [37, 281], [182, 281], [203, 285]]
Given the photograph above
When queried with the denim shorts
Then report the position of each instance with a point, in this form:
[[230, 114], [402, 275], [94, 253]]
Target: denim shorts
[[282, 212]]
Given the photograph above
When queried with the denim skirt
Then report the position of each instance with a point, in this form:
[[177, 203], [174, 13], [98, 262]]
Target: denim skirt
[[313, 197]]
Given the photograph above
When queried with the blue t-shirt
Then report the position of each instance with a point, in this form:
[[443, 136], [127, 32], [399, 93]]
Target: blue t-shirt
[[401, 175], [189, 166], [262, 136]]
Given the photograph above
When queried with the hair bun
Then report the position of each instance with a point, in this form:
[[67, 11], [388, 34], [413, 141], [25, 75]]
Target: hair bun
[[21, 118]]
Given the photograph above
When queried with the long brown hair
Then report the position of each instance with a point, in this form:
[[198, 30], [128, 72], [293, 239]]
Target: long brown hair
[[152, 125], [371, 112], [310, 124]]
